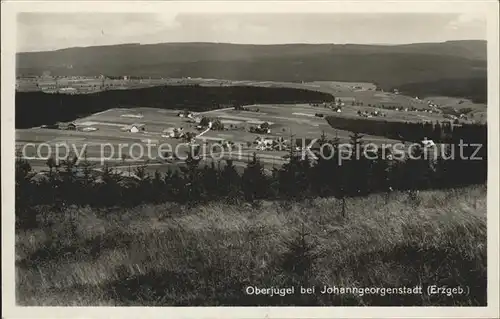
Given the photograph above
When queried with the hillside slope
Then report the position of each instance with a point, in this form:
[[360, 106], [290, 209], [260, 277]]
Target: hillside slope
[[387, 65], [171, 255], [418, 67], [189, 52], [37, 108]]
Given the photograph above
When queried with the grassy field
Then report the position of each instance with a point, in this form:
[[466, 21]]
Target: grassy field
[[158, 255], [284, 119], [95, 84], [361, 91], [478, 111]]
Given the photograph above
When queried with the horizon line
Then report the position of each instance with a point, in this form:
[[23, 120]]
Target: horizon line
[[250, 44]]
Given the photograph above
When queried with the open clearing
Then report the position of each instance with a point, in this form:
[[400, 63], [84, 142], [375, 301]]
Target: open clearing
[[359, 92], [290, 120], [354, 89], [111, 141]]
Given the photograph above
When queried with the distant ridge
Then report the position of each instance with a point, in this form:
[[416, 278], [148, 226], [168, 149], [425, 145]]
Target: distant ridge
[[386, 65], [480, 44]]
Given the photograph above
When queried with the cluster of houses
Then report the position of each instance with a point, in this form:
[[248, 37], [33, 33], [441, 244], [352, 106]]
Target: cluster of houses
[[461, 116], [279, 143], [61, 126], [192, 117], [71, 126], [244, 108], [393, 107], [185, 114], [375, 113], [173, 132], [260, 130], [70, 84], [432, 104], [179, 132], [433, 109], [455, 118], [336, 106], [53, 86], [64, 90]]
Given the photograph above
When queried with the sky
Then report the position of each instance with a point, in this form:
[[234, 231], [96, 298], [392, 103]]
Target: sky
[[52, 31]]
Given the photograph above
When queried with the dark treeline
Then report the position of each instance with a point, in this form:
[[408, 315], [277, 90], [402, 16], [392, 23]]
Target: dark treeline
[[439, 132], [474, 89], [299, 179], [38, 108]]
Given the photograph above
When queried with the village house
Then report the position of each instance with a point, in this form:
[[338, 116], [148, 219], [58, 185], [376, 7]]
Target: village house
[[135, 128], [175, 132], [66, 126]]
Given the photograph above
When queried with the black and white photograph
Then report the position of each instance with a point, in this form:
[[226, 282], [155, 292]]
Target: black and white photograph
[[177, 155]]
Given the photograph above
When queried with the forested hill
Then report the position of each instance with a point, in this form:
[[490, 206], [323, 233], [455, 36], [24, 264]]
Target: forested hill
[[190, 52], [385, 65], [474, 89], [38, 108]]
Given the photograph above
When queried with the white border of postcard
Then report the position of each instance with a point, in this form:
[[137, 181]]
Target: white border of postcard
[[9, 10]]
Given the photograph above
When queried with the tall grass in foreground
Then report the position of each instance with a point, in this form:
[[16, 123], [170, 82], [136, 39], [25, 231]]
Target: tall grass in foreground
[[160, 255]]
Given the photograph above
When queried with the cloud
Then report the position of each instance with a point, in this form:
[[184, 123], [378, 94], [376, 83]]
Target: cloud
[[467, 20], [51, 31]]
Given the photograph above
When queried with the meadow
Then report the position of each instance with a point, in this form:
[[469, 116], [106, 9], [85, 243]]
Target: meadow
[[284, 120], [172, 254]]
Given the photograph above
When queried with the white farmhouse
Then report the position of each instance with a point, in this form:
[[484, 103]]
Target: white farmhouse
[[135, 128]]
